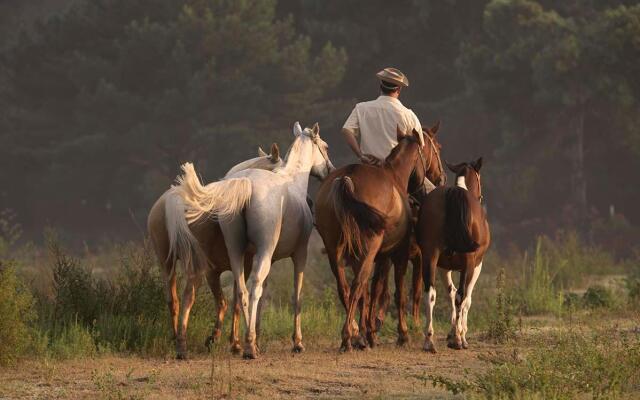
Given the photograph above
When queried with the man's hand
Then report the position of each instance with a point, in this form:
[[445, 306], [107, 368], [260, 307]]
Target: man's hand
[[370, 160]]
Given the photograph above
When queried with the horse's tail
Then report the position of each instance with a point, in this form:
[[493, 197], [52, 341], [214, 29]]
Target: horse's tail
[[355, 217], [457, 234], [182, 243], [222, 199]]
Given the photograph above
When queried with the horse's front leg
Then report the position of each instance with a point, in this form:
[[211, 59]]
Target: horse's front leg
[[472, 278], [360, 283], [299, 264]]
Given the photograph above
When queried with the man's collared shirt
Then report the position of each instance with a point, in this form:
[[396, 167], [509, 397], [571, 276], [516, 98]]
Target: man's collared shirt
[[376, 122]]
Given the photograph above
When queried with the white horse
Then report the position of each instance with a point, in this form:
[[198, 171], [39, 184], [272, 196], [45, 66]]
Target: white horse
[[268, 213]]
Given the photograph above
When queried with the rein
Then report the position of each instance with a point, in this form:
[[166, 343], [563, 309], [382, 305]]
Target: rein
[[426, 165]]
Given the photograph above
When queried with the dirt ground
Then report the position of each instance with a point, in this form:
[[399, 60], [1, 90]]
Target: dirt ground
[[384, 372]]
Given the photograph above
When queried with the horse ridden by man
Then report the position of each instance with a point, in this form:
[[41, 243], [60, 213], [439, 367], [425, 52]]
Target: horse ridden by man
[[265, 213], [362, 210], [206, 249], [453, 234]]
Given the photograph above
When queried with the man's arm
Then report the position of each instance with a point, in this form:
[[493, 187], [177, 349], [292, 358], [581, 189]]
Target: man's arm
[[350, 138]]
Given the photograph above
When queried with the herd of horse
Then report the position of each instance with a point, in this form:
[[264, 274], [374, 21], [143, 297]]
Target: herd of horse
[[369, 217]]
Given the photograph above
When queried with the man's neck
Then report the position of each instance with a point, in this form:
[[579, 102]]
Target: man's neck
[[394, 95]]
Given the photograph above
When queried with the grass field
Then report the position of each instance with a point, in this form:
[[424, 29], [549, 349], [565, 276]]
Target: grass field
[[559, 320]]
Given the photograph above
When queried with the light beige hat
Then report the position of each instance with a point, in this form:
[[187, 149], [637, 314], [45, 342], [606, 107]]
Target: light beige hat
[[393, 76]]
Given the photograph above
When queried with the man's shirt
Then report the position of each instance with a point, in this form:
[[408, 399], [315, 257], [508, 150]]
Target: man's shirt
[[376, 122]]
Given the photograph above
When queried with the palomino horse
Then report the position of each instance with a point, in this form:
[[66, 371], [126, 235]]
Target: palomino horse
[[208, 242], [379, 287], [453, 234], [362, 210], [266, 212]]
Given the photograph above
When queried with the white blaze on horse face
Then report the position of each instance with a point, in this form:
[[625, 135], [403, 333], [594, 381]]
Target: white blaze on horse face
[[461, 182]]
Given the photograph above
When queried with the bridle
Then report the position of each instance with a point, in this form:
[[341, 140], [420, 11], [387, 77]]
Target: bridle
[[426, 166], [480, 197]]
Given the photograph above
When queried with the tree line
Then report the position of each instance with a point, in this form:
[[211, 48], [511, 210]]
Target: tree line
[[101, 100]]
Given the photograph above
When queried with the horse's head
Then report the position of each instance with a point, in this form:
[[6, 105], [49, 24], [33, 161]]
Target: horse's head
[[274, 157], [434, 170], [468, 176], [321, 165], [427, 161]]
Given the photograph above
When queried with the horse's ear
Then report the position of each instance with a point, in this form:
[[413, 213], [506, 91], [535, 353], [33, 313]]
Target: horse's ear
[[418, 136], [455, 168], [315, 130], [261, 152], [434, 129], [275, 153], [297, 129], [477, 164]]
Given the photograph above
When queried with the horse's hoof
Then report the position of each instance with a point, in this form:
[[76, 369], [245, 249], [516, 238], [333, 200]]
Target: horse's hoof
[[429, 347], [209, 342], [236, 348], [372, 339], [346, 347], [402, 340], [465, 344], [181, 356], [298, 348], [454, 345], [359, 343]]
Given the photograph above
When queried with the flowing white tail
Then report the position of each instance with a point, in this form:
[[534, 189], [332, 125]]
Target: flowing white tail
[[189, 200]]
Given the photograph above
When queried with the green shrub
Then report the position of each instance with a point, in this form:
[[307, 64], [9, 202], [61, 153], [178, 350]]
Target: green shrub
[[501, 324], [16, 315], [568, 365], [537, 293], [598, 297], [72, 341]]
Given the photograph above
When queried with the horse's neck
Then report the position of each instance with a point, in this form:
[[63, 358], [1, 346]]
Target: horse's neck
[[401, 166], [298, 164]]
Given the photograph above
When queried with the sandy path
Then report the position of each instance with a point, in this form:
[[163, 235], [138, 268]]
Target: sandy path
[[320, 372]]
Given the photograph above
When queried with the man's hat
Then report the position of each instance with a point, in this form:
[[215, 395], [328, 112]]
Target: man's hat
[[393, 77]]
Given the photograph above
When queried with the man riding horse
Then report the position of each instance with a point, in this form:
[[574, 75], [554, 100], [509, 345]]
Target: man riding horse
[[375, 123]]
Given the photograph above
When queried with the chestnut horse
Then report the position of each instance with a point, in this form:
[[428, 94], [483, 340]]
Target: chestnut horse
[[362, 210], [453, 234], [211, 244], [379, 286]]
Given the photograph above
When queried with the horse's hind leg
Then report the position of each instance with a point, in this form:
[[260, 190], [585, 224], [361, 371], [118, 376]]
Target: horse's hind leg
[[429, 265], [171, 295], [234, 336], [360, 283], [299, 264], [472, 278], [188, 298], [400, 261], [213, 279], [452, 291], [379, 296]]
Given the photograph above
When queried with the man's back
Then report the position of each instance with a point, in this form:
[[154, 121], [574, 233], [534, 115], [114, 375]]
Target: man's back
[[377, 122]]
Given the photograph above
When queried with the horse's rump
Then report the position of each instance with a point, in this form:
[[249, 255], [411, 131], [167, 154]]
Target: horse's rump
[[457, 234], [356, 218]]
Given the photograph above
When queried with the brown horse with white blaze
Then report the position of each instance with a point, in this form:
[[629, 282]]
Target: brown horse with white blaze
[[363, 210], [453, 234]]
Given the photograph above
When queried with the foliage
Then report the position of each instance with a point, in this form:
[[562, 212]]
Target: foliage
[[568, 365], [598, 296], [17, 315], [501, 324]]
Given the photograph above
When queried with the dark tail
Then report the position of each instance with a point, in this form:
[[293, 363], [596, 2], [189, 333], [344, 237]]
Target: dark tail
[[357, 219], [457, 236]]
